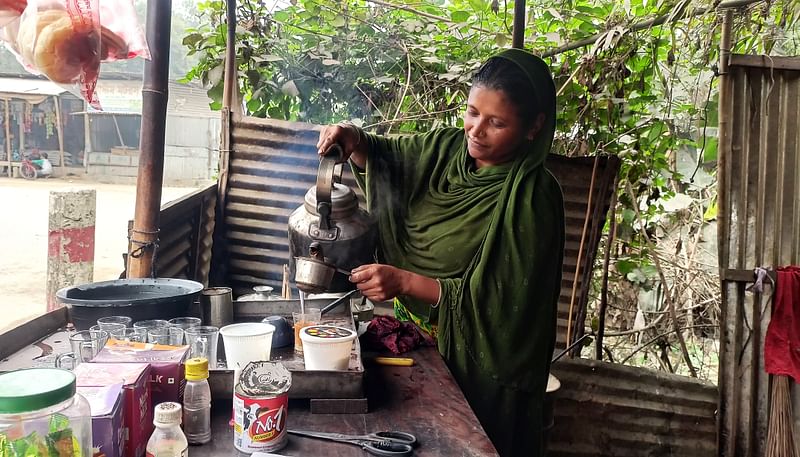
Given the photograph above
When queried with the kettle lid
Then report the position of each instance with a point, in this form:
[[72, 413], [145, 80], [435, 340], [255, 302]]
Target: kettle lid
[[343, 200]]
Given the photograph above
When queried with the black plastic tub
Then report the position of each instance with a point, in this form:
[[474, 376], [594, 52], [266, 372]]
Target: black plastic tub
[[139, 299]]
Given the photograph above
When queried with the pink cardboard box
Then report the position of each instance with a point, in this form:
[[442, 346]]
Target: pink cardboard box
[[137, 405], [108, 429], [167, 363]]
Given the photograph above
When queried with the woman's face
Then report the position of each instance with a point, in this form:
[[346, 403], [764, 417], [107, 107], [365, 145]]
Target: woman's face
[[493, 127]]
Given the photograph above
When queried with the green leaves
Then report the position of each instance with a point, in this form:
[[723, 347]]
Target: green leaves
[[459, 16], [338, 21]]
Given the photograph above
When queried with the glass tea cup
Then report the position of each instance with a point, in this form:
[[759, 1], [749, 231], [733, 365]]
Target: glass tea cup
[[312, 316], [171, 336], [106, 327], [202, 342], [130, 335], [184, 323], [111, 323], [143, 327], [85, 346]]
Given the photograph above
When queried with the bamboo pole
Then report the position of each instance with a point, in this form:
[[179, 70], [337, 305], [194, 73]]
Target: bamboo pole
[[144, 234], [727, 425], [724, 133], [59, 131], [230, 84], [518, 38]]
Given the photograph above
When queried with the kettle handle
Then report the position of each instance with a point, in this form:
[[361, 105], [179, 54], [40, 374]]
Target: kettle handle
[[325, 180]]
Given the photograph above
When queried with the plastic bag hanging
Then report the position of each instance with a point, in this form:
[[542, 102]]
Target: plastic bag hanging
[[66, 40]]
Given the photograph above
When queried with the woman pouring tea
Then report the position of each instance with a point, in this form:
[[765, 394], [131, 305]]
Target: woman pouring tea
[[471, 230]]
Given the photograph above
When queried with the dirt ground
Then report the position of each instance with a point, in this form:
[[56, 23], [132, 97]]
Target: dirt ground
[[23, 233]]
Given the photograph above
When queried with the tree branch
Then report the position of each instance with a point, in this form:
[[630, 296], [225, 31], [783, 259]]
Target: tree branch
[[661, 335], [667, 294], [408, 82], [672, 16], [424, 14]]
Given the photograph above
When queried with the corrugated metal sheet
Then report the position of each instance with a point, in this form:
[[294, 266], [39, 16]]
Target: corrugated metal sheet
[[271, 166], [609, 410], [759, 226], [273, 163], [185, 237], [575, 176]]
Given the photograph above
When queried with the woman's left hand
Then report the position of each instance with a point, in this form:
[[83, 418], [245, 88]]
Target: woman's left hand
[[380, 282]]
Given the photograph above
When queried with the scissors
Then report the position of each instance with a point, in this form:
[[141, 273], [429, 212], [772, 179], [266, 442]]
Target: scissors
[[389, 443]]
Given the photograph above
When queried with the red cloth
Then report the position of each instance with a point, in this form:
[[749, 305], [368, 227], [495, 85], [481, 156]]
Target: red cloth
[[386, 332], [782, 344]]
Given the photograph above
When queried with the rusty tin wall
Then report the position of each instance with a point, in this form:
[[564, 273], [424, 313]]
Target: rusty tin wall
[[604, 410], [272, 163], [185, 236], [575, 176], [759, 226], [271, 166]]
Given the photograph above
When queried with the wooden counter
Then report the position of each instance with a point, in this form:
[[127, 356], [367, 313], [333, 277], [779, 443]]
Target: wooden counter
[[423, 400]]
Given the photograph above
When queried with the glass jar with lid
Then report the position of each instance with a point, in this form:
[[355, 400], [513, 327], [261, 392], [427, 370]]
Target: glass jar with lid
[[41, 414]]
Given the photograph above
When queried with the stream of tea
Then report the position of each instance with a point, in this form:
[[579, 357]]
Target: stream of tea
[[302, 304]]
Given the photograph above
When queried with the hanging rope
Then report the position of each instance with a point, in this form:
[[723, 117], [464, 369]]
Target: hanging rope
[[140, 247]]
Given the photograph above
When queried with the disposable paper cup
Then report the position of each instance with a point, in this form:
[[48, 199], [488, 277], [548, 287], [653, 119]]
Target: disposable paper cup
[[247, 342], [327, 347]]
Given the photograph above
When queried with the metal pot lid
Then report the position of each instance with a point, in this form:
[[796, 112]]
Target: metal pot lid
[[343, 201]]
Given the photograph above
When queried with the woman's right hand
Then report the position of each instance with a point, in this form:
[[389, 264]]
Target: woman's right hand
[[348, 136]]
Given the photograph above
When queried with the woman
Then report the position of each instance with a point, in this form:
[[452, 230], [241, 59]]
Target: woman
[[471, 240]]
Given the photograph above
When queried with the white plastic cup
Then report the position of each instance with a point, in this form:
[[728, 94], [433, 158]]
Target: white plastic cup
[[327, 347], [247, 342]]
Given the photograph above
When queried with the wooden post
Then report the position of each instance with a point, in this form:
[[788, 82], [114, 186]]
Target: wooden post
[[8, 138], [144, 235], [70, 247], [60, 130], [21, 123], [87, 140]]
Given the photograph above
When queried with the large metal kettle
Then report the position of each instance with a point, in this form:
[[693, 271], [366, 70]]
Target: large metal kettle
[[331, 219]]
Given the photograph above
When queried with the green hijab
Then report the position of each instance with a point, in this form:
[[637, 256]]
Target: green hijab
[[493, 237]]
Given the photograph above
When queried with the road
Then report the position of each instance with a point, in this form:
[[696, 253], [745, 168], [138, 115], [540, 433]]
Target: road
[[23, 233]]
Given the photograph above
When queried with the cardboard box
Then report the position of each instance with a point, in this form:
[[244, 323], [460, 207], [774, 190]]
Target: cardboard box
[[108, 435], [167, 363], [137, 403]]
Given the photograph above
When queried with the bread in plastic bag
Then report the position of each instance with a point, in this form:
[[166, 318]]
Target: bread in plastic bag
[[66, 40], [61, 40], [11, 10]]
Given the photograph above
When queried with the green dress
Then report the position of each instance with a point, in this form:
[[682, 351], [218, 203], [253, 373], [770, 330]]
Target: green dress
[[494, 239]]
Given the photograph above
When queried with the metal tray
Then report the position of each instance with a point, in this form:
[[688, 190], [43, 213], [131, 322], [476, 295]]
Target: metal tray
[[305, 384]]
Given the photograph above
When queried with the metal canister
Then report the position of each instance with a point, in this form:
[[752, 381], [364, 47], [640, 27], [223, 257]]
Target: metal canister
[[216, 306], [261, 407]]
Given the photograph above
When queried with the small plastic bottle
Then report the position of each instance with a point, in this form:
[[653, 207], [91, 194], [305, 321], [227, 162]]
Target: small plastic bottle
[[168, 439], [197, 402]]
